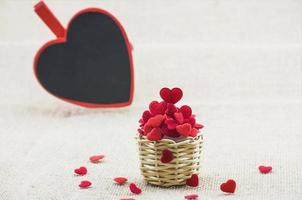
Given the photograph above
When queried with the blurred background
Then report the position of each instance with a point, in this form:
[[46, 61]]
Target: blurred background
[[239, 63]]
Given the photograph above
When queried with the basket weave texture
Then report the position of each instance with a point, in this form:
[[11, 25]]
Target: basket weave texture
[[185, 163]]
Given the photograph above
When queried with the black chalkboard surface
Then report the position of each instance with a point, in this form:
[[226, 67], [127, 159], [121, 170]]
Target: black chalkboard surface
[[90, 63]]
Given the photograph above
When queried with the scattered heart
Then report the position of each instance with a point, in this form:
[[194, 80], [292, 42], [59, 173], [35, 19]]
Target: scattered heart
[[120, 180], [134, 189], [193, 181], [171, 96], [167, 156], [191, 196], [96, 158], [265, 169], [85, 184], [184, 129], [81, 171], [229, 186]]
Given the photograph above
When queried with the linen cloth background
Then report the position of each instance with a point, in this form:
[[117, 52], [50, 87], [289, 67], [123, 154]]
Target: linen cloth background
[[238, 62]]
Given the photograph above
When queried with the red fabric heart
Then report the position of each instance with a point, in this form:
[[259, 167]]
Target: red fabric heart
[[193, 181], [147, 129], [184, 129], [134, 189], [186, 111], [265, 169], [154, 135], [170, 133], [141, 131], [146, 116], [85, 184], [120, 180], [191, 196], [198, 126], [191, 120], [96, 158], [194, 132], [166, 156], [81, 171], [171, 124], [171, 109], [179, 117], [229, 186], [155, 121], [157, 108], [171, 96]]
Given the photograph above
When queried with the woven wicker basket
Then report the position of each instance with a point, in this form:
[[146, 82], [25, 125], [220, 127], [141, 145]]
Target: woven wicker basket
[[185, 163]]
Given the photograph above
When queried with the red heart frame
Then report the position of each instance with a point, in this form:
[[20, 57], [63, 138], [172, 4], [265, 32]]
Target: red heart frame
[[53, 23]]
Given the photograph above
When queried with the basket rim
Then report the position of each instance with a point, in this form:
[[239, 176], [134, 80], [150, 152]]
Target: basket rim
[[184, 140]]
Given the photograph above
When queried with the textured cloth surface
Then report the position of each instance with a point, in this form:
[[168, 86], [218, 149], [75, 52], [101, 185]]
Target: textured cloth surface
[[239, 63]]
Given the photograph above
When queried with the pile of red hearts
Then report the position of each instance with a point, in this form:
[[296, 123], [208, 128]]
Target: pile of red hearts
[[165, 119]]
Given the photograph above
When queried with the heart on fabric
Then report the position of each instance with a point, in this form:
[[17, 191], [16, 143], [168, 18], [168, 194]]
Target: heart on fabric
[[134, 189], [90, 62], [85, 184], [191, 196], [193, 181], [120, 180], [265, 169], [166, 156], [81, 171], [229, 186], [171, 96], [96, 158]]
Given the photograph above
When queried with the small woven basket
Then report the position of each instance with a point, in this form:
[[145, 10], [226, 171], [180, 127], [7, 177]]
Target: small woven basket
[[185, 163]]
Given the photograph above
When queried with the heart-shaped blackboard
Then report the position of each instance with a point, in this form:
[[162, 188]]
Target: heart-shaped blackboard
[[90, 63]]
